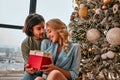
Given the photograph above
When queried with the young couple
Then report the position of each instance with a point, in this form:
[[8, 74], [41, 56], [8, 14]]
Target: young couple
[[65, 55]]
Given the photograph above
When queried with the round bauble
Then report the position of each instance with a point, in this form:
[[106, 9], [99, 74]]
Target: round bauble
[[104, 56], [113, 36], [92, 35], [110, 54]]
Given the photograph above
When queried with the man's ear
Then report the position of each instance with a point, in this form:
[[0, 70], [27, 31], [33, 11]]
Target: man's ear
[[31, 30]]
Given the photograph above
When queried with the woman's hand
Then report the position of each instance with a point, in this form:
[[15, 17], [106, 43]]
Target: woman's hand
[[29, 70], [48, 69]]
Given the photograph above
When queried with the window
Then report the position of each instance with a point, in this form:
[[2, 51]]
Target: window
[[13, 14], [55, 9], [13, 11], [10, 52]]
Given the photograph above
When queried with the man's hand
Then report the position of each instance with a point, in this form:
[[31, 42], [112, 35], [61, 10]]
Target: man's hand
[[29, 70]]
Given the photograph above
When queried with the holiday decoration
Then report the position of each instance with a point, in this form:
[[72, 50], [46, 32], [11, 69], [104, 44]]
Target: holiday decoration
[[105, 3], [92, 35], [97, 29], [110, 54], [115, 8], [83, 12], [104, 56], [113, 36]]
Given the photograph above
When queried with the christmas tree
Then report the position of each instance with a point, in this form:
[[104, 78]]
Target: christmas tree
[[95, 25]]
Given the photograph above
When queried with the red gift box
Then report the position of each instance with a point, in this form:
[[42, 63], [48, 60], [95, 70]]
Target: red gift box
[[37, 59]]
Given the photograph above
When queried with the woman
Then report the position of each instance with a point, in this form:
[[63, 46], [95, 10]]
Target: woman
[[34, 29], [65, 55]]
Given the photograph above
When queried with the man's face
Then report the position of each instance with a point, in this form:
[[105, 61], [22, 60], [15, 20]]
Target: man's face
[[38, 31]]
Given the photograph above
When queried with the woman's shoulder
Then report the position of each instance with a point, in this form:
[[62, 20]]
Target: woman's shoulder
[[75, 44], [45, 44], [46, 41], [76, 47]]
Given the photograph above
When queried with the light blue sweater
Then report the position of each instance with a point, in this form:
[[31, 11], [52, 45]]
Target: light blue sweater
[[69, 61]]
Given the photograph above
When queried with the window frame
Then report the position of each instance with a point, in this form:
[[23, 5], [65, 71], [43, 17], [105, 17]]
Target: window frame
[[32, 9]]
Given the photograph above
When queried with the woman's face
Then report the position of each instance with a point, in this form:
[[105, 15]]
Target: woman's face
[[52, 34], [38, 31]]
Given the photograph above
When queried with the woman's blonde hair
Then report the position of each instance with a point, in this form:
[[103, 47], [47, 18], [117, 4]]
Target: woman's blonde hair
[[61, 28]]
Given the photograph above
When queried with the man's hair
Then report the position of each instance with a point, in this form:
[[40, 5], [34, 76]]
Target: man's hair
[[32, 20]]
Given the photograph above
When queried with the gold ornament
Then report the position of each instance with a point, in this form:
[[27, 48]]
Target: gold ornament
[[83, 12], [106, 1], [77, 1]]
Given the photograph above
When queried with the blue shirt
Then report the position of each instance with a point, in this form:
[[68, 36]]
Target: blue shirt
[[68, 61]]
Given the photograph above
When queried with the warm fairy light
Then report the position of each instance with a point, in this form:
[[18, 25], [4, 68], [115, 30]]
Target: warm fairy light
[[90, 49]]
